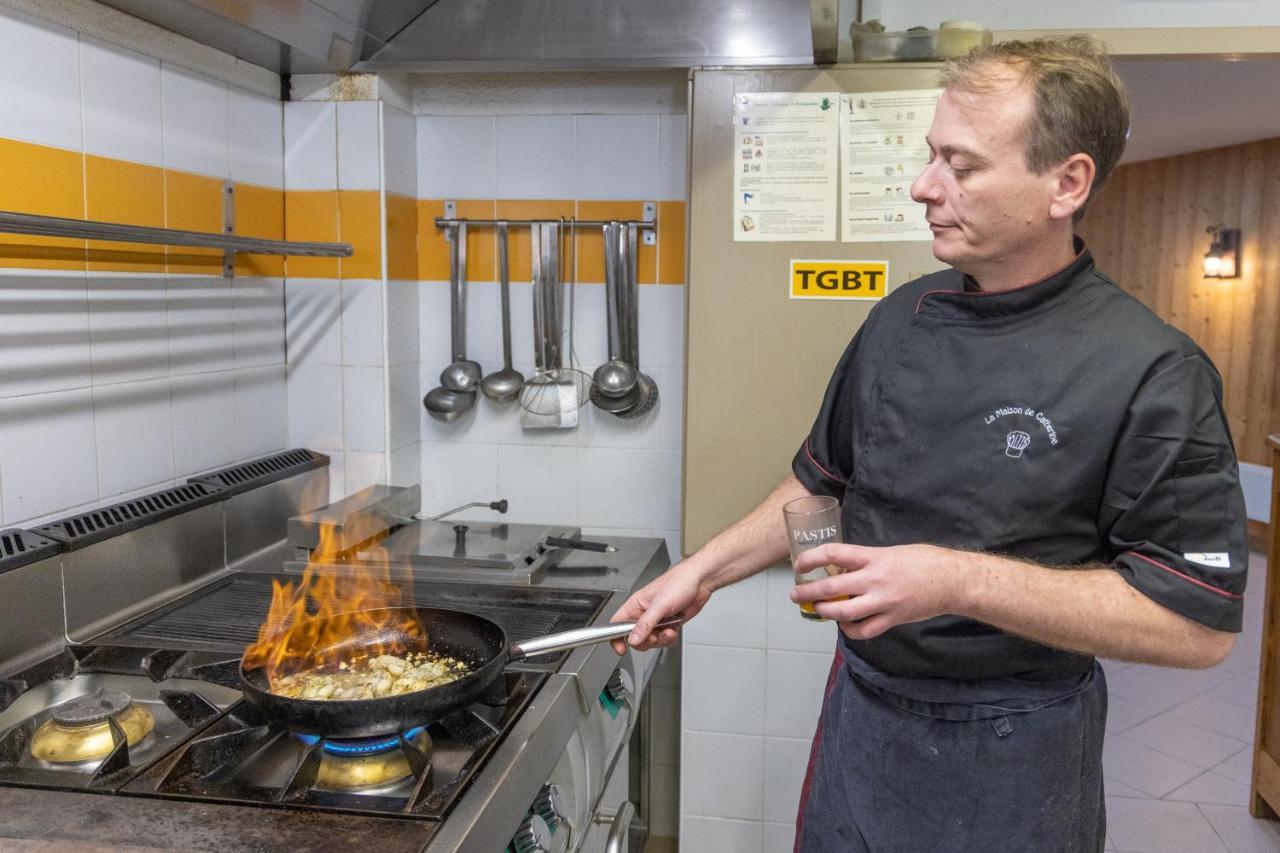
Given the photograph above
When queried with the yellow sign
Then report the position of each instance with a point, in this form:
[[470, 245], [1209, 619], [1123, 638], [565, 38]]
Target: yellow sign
[[839, 279]]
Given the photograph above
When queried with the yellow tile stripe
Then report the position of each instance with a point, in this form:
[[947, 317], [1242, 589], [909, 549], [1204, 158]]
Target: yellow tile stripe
[[57, 182], [660, 264]]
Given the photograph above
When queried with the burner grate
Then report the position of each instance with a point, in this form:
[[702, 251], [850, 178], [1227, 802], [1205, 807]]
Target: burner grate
[[259, 472], [227, 618], [78, 531]]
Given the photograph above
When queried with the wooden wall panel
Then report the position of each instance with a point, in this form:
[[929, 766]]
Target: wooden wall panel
[[1147, 231]]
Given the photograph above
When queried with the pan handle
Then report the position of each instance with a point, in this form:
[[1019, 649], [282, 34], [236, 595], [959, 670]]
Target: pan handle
[[580, 637]]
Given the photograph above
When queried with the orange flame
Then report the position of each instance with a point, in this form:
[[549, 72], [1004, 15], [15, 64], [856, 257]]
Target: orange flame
[[331, 617]]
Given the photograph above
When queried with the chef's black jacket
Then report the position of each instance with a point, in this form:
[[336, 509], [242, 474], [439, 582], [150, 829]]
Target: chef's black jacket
[[1061, 423]]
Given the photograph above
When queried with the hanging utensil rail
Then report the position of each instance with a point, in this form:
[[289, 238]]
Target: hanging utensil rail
[[642, 224], [87, 229]]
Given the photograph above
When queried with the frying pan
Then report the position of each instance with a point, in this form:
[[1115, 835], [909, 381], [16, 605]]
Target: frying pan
[[480, 643]]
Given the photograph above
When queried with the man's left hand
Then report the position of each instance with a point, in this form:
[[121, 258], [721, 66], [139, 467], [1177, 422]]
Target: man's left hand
[[886, 586]]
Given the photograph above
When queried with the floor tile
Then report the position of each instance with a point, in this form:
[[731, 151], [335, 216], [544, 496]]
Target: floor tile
[[1154, 826], [1238, 766], [1212, 788], [1139, 766], [1240, 831], [1123, 714], [1181, 739], [1241, 690], [1162, 687], [1214, 712], [1120, 789]]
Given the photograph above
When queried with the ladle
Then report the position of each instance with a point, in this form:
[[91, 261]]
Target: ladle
[[446, 405], [463, 374], [503, 386], [615, 378]]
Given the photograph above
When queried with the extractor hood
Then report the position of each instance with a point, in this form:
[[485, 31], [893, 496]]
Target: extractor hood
[[337, 36]]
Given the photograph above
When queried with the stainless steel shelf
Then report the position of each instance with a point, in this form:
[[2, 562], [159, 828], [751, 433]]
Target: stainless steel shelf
[[56, 226]]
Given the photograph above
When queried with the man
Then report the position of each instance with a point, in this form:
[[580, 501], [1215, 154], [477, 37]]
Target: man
[[1034, 470]]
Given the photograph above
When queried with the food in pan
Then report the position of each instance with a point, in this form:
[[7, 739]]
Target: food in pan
[[374, 678]]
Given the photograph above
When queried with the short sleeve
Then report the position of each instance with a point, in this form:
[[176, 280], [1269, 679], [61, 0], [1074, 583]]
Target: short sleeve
[[824, 462], [1172, 508]]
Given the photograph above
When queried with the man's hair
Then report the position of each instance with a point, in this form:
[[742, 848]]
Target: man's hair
[[1080, 104]]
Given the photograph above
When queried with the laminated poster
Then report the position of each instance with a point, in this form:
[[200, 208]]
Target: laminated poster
[[883, 139], [785, 154]]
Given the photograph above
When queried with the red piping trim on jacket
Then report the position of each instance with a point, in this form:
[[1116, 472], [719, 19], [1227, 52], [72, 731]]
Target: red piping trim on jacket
[[1173, 571], [809, 453]]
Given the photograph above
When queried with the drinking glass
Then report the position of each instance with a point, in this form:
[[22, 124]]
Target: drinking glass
[[812, 521]]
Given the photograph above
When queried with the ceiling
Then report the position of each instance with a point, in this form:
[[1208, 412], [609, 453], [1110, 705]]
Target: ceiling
[[1187, 105]]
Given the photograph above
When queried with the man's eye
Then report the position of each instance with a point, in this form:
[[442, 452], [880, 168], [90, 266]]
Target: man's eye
[[959, 172]]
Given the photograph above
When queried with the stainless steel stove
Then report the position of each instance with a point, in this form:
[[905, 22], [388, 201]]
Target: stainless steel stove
[[119, 680]]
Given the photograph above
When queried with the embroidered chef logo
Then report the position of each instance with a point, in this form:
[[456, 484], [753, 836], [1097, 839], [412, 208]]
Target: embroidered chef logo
[[1019, 439], [1016, 442]]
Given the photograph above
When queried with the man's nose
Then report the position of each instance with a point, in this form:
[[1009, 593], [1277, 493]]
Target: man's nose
[[925, 187]]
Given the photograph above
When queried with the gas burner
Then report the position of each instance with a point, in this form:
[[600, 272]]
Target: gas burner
[[368, 763], [81, 729]]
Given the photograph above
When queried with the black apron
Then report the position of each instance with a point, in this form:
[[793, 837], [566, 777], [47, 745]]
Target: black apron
[[910, 765]]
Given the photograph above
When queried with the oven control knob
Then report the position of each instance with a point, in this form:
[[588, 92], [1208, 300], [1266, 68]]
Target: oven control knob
[[550, 805], [534, 836], [620, 685]]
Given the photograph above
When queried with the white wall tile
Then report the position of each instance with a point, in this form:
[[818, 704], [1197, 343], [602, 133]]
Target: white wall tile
[[256, 139], [779, 837], [402, 322], [39, 82], [362, 470], [785, 760], [787, 629], [454, 474], [128, 328], [669, 415], [134, 428], [310, 145], [406, 466], [362, 323], [456, 157], [540, 482], [732, 616], [535, 156], [403, 403], [699, 834], [672, 142], [201, 325], [197, 135], [204, 422], [313, 321], [661, 327], [617, 157], [364, 409], [359, 148], [44, 334], [723, 690], [600, 429], [795, 682], [722, 776], [258, 319], [337, 475], [315, 406], [399, 151], [122, 103], [47, 453], [261, 406], [484, 325], [620, 488]]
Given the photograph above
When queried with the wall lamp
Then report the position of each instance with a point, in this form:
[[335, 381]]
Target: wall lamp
[[1223, 258]]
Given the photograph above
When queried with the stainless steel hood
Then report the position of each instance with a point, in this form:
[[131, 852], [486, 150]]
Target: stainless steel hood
[[501, 35], [337, 36]]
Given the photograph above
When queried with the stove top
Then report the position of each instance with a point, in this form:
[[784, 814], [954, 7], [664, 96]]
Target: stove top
[[153, 710]]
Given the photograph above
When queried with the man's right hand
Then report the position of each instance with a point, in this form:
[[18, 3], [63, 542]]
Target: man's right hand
[[679, 592]]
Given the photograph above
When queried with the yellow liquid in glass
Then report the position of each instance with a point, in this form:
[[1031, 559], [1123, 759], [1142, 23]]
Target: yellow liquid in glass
[[806, 607]]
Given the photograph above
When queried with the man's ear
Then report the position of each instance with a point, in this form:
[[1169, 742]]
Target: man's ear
[[1072, 183]]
